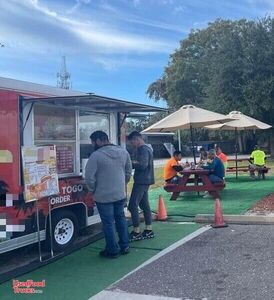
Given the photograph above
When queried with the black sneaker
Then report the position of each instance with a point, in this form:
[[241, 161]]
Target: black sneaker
[[134, 236], [148, 234], [104, 253], [125, 251]]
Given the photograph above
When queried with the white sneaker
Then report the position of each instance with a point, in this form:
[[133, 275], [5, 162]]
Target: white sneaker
[[207, 195]]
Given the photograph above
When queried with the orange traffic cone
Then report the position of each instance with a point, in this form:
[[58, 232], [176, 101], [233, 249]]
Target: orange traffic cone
[[161, 214], [219, 220]]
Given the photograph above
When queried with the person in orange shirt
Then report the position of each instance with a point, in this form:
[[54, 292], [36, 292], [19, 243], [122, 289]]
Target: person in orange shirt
[[222, 156], [172, 167]]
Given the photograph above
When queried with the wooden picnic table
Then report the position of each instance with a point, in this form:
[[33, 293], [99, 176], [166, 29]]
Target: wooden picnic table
[[238, 159], [194, 180], [241, 158], [237, 168], [242, 168]]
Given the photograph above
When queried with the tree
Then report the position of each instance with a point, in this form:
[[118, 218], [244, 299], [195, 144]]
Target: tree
[[157, 90], [136, 124], [227, 66], [142, 123]]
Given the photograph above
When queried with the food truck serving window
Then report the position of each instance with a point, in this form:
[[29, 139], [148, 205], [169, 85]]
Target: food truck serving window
[[54, 123], [57, 125], [88, 123]]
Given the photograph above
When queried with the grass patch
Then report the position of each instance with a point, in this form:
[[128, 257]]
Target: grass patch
[[238, 196], [159, 181], [158, 175]]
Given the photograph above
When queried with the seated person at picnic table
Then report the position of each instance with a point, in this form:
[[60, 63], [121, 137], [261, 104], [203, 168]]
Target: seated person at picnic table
[[257, 161], [215, 167], [221, 155], [203, 155], [172, 167]]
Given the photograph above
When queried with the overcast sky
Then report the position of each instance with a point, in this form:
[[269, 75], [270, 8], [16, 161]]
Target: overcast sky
[[113, 48]]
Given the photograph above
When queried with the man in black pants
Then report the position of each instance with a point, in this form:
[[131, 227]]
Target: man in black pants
[[143, 178]]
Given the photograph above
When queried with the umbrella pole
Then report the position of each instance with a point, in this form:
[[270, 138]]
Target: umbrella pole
[[236, 152], [192, 142], [179, 140]]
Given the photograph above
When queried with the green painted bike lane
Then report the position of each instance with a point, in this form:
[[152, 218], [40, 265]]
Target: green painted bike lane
[[83, 273]]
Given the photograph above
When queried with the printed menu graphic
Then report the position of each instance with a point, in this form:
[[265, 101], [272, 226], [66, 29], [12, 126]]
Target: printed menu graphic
[[65, 158], [40, 172]]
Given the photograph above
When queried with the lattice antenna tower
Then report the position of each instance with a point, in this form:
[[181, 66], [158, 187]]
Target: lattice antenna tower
[[63, 77]]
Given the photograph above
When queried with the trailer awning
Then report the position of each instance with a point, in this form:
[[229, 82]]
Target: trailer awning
[[97, 103]]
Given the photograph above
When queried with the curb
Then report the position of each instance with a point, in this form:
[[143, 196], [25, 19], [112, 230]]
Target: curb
[[237, 219]]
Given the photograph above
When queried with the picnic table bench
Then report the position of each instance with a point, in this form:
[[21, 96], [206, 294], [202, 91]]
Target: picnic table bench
[[236, 169], [200, 183]]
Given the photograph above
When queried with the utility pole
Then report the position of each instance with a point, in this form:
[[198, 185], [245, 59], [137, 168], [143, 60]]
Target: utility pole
[[63, 77]]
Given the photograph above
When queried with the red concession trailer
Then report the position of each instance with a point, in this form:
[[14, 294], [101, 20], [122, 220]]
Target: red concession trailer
[[38, 115]]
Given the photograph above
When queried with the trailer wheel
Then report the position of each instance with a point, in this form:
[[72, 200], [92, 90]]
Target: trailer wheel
[[64, 230]]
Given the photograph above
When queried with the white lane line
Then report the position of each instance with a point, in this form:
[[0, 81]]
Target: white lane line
[[118, 295], [184, 223]]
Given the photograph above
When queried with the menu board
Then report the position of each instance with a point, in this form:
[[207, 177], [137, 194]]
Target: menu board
[[65, 158], [40, 172]]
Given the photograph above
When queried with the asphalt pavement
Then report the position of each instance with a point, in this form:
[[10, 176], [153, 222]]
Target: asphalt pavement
[[234, 263]]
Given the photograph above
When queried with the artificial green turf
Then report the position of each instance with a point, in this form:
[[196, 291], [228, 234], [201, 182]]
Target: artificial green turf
[[83, 273], [238, 196]]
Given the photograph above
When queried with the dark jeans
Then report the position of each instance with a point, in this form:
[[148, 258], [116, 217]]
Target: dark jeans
[[214, 179], [174, 180], [253, 168], [139, 197], [112, 215]]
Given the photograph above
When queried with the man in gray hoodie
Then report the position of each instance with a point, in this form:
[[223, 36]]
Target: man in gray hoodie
[[107, 172]]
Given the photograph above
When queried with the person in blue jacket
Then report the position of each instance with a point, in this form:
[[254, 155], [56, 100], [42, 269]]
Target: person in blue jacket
[[215, 167]]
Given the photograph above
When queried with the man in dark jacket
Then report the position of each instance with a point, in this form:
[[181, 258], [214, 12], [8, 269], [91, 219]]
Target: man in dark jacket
[[143, 178], [107, 172], [215, 167]]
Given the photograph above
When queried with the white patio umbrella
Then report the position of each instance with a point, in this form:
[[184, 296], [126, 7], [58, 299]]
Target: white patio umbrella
[[188, 117], [240, 122]]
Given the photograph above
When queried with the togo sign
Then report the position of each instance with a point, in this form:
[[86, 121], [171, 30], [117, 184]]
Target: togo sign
[[66, 192]]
